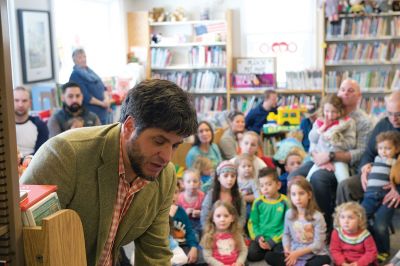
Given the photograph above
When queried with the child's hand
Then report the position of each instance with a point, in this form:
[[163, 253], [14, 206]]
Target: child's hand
[[263, 244], [189, 211], [291, 258], [390, 264], [196, 213], [237, 264], [192, 255]]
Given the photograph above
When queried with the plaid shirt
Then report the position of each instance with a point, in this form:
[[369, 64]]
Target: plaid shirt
[[125, 194]]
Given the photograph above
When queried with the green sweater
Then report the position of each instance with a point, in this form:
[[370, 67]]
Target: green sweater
[[267, 218]]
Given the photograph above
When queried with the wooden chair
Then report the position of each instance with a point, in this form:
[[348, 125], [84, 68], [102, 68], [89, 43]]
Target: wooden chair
[[218, 134], [179, 157]]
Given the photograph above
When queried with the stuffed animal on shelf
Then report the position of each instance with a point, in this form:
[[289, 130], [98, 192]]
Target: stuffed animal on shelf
[[332, 10], [157, 15], [396, 5], [178, 15], [357, 7]]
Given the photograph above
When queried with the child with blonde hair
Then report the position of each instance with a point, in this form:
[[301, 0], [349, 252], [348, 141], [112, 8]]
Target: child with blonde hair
[[304, 229], [351, 243], [223, 242], [246, 180], [206, 170], [249, 144], [331, 133], [225, 188], [192, 197]]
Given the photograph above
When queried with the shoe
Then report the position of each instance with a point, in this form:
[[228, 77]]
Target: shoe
[[382, 257]]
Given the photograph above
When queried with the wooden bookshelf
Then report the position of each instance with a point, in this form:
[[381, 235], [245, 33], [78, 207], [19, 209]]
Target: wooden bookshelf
[[175, 58], [365, 48]]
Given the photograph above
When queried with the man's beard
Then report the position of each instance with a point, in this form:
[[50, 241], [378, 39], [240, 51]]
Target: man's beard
[[136, 159], [73, 108], [20, 113]]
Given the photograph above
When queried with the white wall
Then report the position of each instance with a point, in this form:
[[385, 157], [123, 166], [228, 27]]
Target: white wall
[[43, 5]]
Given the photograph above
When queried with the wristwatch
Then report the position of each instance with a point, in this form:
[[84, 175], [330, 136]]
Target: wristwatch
[[332, 156]]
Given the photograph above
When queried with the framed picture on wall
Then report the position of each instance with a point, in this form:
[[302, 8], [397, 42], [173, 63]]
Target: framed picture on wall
[[36, 45]]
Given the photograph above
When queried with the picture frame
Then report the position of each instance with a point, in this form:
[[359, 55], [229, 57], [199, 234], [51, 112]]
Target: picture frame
[[36, 45]]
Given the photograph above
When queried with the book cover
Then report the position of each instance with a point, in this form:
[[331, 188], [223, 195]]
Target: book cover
[[35, 194], [45, 207]]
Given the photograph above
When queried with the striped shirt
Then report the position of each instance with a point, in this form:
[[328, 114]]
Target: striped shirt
[[380, 172], [125, 194]]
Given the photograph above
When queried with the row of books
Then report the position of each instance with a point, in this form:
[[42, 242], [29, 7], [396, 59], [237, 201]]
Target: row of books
[[361, 52], [373, 105], [253, 80], [200, 82], [371, 81], [298, 100], [245, 104], [363, 27], [207, 56], [307, 79], [204, 104], [160, 57]]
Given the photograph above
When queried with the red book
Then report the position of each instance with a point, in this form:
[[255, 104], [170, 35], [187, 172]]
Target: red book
[[35, 194]]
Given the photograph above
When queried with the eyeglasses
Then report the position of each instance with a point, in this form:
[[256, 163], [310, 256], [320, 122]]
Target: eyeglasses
[[395, 115]]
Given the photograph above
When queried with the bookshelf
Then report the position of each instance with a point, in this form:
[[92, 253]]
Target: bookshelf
[[195, 54], [365, 48]]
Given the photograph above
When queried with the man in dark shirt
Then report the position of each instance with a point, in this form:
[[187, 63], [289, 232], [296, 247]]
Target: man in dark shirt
[[72, 114], [257, 117]]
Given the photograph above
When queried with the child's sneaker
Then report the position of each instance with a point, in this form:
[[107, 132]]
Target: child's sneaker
[[382, 257]]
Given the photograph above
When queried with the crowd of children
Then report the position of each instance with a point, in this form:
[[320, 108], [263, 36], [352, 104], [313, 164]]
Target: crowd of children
[[242, 210]]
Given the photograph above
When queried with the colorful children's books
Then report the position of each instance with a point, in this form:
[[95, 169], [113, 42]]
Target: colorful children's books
[[42, 200]]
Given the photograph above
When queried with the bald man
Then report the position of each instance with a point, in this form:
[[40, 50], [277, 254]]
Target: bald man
[[323, 181], [354, 187]]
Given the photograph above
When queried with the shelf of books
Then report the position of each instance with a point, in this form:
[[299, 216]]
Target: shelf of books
[[196, 55], [365, 48]]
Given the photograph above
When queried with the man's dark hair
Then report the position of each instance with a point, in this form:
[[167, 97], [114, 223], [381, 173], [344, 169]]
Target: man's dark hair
[[233, 114], [69, 85], [160, 104]]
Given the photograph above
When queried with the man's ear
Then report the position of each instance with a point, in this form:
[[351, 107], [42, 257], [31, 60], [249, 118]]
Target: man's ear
[[129, 126]]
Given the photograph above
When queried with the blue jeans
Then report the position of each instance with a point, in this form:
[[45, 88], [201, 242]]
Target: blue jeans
[[381, 216]]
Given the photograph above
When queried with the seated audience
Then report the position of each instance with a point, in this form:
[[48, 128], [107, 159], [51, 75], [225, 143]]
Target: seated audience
[[257, 117], [73, 114], [31, 131], [229, 142], [204, 146], [267, 217]]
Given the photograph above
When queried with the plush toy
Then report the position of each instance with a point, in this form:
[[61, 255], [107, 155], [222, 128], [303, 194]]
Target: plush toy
[[178, 15], [332, 10], [157, 15], [396, 5], [357, 7]]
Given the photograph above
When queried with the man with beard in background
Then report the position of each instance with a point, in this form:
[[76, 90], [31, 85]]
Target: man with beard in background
[[72, 114], [118, 177]]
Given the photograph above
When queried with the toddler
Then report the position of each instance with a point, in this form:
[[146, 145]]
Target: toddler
[[223, 242], [225, 188], [331, 133], [293, 161], [388, 147], [267, 217], [304, 229], [246, 180], [182, 229], [249, 144], [205, 167], [351, 243], [192, 197]]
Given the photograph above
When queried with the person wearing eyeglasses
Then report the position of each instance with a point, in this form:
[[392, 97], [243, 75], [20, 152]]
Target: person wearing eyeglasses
[[354, 187]]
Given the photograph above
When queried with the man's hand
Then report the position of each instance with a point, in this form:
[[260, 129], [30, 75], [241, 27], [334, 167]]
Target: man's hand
[[192, 255], [263, 244], [365, 170], [392, 198], [328, 166], [321, 158]]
